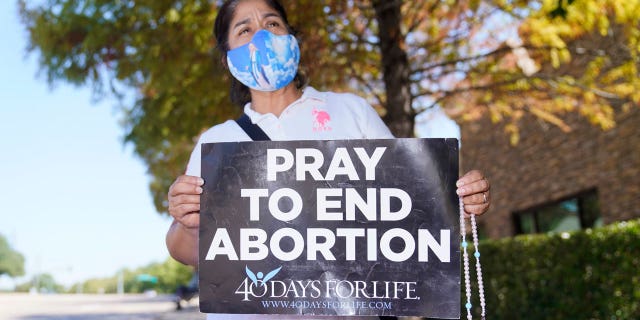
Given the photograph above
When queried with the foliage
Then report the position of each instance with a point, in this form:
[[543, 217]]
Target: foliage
[[11, 261], [580, 58], [43, 282], [499, 58], [591, 274], [170, 274]]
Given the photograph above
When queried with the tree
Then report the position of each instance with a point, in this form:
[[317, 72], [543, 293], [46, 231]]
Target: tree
[[11, 261], [43, 282], [500, 58], [506, 58], [169, 274]]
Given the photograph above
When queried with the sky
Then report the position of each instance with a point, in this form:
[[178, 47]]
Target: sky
[[74, 200]]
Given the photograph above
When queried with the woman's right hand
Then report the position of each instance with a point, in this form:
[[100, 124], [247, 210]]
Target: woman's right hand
[[184, 200]]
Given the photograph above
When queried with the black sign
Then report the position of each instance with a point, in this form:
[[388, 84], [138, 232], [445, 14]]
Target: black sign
[[344, 227]]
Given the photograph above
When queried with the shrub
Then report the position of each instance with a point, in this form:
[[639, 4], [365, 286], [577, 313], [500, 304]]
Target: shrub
[[589, 274]]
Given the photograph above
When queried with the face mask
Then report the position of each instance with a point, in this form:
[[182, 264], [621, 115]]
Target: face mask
[[268, 63]]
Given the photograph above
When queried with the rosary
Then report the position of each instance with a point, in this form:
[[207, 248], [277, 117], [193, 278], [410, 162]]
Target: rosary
[[465, 257]]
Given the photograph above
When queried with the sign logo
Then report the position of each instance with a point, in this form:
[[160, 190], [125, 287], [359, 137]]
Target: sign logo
[[259, 285], [260, 278]]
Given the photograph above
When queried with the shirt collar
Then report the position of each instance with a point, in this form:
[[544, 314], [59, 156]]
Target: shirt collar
[[307, 94], [311, 93]]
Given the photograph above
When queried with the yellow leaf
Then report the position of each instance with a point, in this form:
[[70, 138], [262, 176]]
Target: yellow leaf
[[549, 117], [172, 15], [555, 59]]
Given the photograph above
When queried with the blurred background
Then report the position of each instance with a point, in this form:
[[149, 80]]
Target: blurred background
[[103, 100], [75, 198]]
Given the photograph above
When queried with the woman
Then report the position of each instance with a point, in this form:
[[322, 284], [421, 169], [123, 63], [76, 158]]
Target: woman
[[275, 98]]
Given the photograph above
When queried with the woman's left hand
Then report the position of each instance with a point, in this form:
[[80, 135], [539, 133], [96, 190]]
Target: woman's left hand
[[473, 188]]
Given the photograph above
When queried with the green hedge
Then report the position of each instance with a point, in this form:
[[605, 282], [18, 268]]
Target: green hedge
[[590, 274], [170, 275]]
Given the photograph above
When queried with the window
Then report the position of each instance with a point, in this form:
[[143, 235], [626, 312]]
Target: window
[[573, 213]]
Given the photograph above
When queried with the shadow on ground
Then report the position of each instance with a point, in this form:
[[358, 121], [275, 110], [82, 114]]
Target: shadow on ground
[[187, 313]]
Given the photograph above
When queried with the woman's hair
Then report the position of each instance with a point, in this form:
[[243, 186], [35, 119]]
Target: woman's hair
[[240, 94]]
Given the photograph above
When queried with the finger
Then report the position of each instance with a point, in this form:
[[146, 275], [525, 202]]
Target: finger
[[190, 179], [191, 220], [185, 209], [183, 199], [478, 198], [476, 209], [470, 177], [184, 187], [477, 186]]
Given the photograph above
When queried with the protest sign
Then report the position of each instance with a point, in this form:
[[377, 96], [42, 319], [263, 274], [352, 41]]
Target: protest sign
[[341, 227]]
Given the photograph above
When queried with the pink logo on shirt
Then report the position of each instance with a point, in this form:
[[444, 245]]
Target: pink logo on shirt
[[320, 120]]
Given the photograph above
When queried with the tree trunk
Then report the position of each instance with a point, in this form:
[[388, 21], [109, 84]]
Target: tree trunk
[[400, 116]]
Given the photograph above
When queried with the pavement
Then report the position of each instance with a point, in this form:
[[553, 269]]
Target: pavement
[[94, 307]]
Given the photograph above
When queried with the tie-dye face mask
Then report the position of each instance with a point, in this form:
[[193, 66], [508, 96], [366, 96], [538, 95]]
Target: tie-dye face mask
[[267, 63]]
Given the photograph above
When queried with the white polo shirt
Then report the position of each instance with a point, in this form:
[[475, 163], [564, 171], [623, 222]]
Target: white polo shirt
[[315, 116]]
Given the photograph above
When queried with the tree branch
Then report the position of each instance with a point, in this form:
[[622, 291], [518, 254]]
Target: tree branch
[[367, 84], [467, 59], [416, 22]]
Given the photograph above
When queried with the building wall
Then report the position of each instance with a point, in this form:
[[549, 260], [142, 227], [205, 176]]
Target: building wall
[[549, 164]]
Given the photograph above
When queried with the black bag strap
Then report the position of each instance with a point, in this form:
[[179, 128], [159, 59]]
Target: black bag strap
[[253, 131]]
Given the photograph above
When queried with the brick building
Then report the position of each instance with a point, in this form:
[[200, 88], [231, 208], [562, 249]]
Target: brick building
[[556, 181]]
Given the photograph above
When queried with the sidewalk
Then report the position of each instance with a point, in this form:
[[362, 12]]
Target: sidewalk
[[94, 307]]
